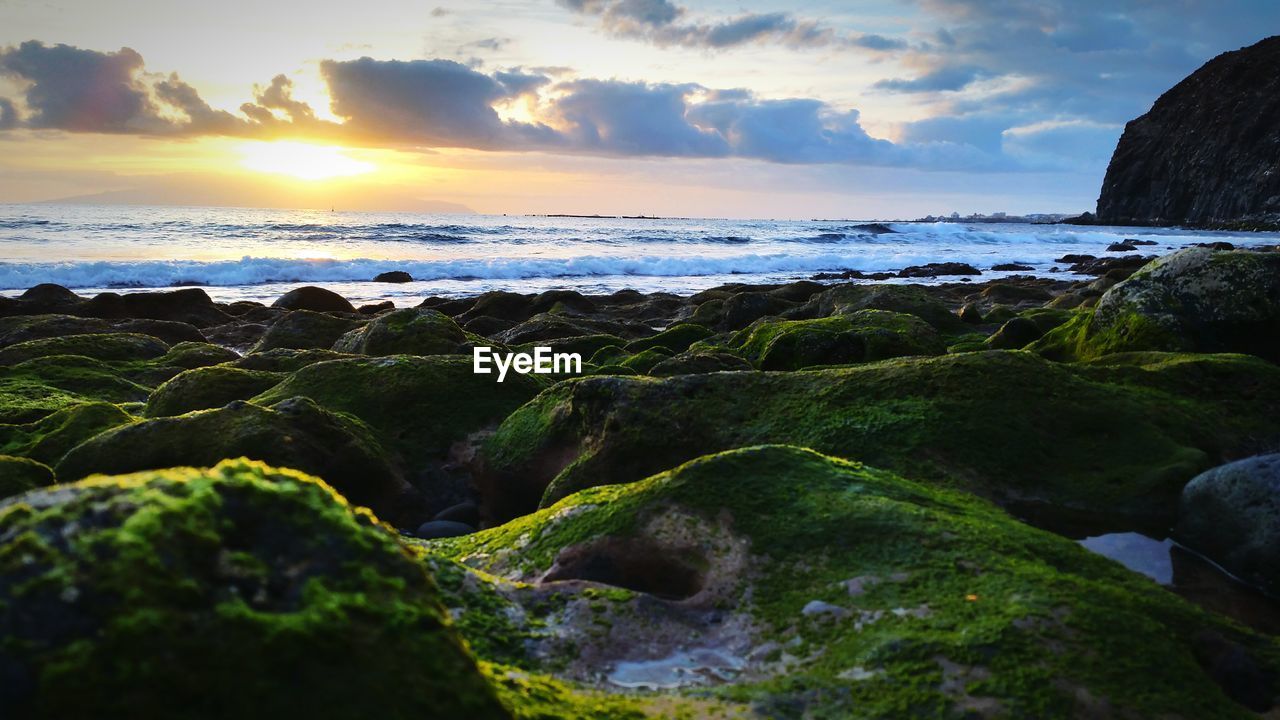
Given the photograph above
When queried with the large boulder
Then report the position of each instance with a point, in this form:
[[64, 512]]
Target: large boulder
[[19, 474], [293, 433], [1231, 514], [1106, 440], [1207, 151], [1198, 300], [108, 346], [21, 328], [36, 388], [50, 438], [238, 591], [315, 299], [821, 588]]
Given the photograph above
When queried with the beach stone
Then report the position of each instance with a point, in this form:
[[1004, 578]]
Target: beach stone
[[1231, 514], [689, 363], [376, 308], [1014, 334], [206, 388], [315, 299], [861, 336], [191, 355], [19, 474], [1012, 267], [500, 305], [463, 512], [971, 313], [410, 331], [192, 306], [274, 598], [936, 269], [113, 347], [394, 276]]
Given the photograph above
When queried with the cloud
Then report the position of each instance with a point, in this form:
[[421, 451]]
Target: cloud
[[83, 90], [663, 23], [8, 114], [625, 118], [942, 79], [434, 102]]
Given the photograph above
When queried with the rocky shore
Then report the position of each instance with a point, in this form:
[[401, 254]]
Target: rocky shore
[[797, 500]]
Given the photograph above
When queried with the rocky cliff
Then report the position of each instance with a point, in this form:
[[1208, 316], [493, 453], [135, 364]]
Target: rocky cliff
[[1208, 151]]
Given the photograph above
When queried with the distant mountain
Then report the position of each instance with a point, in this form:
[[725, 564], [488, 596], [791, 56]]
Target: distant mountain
[[1207, 153]]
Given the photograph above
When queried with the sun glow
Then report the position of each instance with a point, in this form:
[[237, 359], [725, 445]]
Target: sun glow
[[301, 160]]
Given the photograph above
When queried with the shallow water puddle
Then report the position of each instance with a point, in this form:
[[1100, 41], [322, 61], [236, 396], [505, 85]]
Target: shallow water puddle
[[1137, 552], [698, 666]]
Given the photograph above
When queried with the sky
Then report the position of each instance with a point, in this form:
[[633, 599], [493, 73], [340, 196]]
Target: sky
[[752, 108]]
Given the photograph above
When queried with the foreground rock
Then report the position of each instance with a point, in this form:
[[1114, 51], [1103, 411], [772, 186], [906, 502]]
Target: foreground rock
[[1118, 438], [1231, 514], [274, 599], [813, 587], [1197, 300], [1207, 151]]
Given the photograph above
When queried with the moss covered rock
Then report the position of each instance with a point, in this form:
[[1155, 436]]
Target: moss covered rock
[[238, 591], [418, 405], [813, 587], [36, 388], [1012, 425], [700, 361], [20, 474], [676, 338], [108, 346], [208, 387], [49, 438], [412, 331], [304, 330], [190, 355], [860, 336], [907, 299], [286, 360], [1197, 300], [294, 433]]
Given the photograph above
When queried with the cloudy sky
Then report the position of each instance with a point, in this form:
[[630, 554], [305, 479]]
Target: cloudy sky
[[751, 108]]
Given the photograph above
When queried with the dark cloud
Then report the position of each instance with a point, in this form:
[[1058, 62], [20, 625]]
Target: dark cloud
[[435, 102], [8, 114], [202, 119], [82, 90], [664, 23], [633, 119], [944, 78]]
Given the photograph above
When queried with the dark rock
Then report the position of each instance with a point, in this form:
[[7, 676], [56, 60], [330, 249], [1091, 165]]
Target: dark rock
[[1219, 245], [488, 326], [238, 335], [315, 299], [207, 388], [1074, 259], [1121, 247], [1231, 514], [971, 314], [501, 305], [1132, 241], [376, 308], [19, 474], [409, 331], [110, 347], [395, 276], [936, 269], [1207, 151], [1235, 670], [1015, 334], [854, 275], [1012, 267], [50, 295], [691, 363], [560, 301], [1101, 266], [433, 529]]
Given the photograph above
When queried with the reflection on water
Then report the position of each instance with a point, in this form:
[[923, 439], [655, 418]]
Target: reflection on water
[[698, 666], [1190, 576]]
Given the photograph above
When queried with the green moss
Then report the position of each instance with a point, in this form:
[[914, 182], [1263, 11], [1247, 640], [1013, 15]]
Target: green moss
[[293, 433], [584, 345], [109, 347], [238, 591], [287, 360], [36, 388], [208, 387], [50, 438], [644, 361], [411, 331], [1007, 424], [957, 604], [859, 336], [676, 338], [190, 355], [305, 330], [19, 474], [418, 405]]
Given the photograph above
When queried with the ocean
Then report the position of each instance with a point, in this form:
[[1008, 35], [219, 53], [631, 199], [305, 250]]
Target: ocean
[[255, 254]]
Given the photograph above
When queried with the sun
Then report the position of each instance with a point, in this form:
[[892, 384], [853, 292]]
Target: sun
[[302, 160]]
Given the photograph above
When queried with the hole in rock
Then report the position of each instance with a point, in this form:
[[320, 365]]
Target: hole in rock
[[634, 564]]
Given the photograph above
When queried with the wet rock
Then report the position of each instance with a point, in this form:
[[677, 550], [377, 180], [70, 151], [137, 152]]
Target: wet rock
[[48, 439], [1015, 334], [286, 360], [207, 388], [376, 308], [315, 299], [191, 355], [1073, 259], [1231, 514], [501, 305], [394, 276], [1012, 267], [464, 512], [109, 347], [1121, 247], [19, 474], [936, 269], [238, 335], [270, 585], [1239, 674], [689, 363], [907, 299], [192, 306], [861, 336], [970, 313]]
